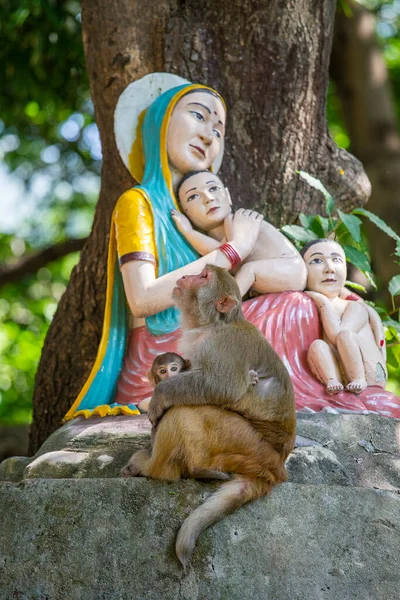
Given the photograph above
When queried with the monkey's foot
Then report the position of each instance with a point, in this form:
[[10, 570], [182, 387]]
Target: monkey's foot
[[253, 377], [131, 471], [135, 467], [357, 386], [211, 474], [334, 386]]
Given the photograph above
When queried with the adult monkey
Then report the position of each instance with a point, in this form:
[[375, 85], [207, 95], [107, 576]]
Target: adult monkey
[[215, 422]]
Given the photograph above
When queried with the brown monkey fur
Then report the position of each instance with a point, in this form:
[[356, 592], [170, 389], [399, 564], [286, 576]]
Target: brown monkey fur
[[167, 365], [208, 419], [171, 364]]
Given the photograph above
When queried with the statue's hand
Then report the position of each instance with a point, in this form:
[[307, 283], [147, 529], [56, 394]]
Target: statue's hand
[[319, 299], [245, 229], [182, 222], [228, 227]]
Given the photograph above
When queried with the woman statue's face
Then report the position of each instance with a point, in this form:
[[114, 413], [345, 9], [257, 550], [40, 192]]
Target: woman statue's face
[[195, 132], [326, 268]]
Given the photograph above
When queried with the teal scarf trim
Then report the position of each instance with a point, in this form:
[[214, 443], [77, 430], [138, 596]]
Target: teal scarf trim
[[103, 387], [172, 248]]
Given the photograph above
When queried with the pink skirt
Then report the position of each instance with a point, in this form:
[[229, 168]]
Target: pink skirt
[[290, 322]]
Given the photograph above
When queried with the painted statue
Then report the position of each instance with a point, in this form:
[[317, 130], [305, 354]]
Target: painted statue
[[352, 353], [166, 128], [207, 205]]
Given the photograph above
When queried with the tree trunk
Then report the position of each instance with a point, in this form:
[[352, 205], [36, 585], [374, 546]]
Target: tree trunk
[[360, 73], [270, 62]]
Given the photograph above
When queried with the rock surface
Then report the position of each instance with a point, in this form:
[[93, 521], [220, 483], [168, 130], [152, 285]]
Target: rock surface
[[113, 539], [73, 529], [358, 450]]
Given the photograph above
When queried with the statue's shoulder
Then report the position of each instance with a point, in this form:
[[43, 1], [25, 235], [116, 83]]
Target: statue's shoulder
[[132, 204], [132, 197]]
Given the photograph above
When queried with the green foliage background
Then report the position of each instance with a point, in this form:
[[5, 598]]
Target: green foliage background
[[49, 147]]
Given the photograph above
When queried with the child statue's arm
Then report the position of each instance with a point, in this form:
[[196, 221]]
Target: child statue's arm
[[377, 329], [353, 318], [200, 242], [331, 322]]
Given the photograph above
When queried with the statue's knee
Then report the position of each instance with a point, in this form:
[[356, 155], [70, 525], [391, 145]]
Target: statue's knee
[[317, 346], [299, 277], [345, 336]]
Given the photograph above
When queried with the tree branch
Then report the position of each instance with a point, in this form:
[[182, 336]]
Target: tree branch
[[31, 263]]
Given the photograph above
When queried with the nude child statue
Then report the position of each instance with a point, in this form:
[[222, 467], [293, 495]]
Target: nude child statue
[[207, 206], [352, 353]]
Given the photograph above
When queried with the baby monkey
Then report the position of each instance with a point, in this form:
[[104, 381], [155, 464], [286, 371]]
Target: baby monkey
[[167, 365], [170, 364]]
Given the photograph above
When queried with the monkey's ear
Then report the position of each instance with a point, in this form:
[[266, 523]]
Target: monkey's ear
[[224, 305], [150, 377], [188, 364]]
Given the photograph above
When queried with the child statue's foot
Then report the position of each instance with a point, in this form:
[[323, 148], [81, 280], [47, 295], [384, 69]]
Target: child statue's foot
[[357, 386], [334, 386]]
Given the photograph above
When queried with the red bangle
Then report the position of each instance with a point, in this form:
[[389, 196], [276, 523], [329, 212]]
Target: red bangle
[[231, 254]]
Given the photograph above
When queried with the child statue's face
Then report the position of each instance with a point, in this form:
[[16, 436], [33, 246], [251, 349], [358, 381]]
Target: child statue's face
[[204, 200], [326, 268], [195, 132]]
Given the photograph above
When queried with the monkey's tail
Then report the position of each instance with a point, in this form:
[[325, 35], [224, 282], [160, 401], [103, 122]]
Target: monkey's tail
[[228, 498]]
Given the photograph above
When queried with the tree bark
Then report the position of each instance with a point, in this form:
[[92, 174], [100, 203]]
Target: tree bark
[[359, 71], [270, 62]]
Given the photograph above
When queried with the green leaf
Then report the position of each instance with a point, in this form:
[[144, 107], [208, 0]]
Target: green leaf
[[377, 221], [392, 324], [394, 285], [299, 233], [312, 223], [352, 224], [325, 224], [370, 277], [379, 309], [356, 286], [306, 220], [392, 359], [397, 251], [318, 185], [357, 258]]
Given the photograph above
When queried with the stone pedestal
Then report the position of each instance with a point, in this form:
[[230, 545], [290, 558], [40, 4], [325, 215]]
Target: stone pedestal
[[73, 529]]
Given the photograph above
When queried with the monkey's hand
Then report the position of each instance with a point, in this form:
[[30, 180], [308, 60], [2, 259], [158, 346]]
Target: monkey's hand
[[253, 377], [183, 224], [158, 405]]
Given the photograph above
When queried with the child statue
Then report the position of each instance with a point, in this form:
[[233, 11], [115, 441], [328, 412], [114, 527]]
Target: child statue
[[352, 353], [207, 205]]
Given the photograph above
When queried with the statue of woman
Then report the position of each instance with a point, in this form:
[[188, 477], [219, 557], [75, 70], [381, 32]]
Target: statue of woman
[[165, 128]]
